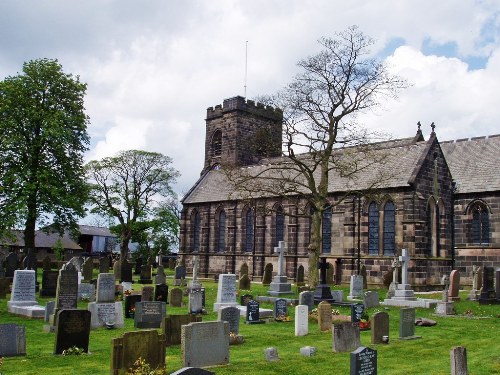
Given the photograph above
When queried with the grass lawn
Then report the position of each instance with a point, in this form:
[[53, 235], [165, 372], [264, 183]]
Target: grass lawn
[[475, 327]]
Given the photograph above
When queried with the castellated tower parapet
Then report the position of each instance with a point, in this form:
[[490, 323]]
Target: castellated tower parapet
[[241, 132]]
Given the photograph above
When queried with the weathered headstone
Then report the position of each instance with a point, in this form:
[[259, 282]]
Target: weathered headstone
[[160, 277], [476, 283], [226, 291], [105, 287], [363, 361], [104, 265], [307, 298], [72, 329], [147, 293], [356, 287], [308, 351], [407, 324], [46, 263], [176, 297], [268, 274], [271, 354], [245, 298], [243, 269], [195, 302], [77, 262], [458, 360], [117, 269], [12, 340], [87, 269], [22, 299], [345, 337], [453, 294], [324, 316], [171, 263], [147, 344], [49, 283], [11, 263], [488, 290], [171, 326], [245, 283], [180, 275], [49, 310], [380, 327], [161, 293], [67, 290], [299, 280], [301, 320], [337, 295], [231, 315], [205, 344], [253, 313], [149, 314], [280, 310], [86, 292], [371, 299]]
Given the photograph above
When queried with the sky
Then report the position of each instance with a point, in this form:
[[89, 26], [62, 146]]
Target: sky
[[154, 67]]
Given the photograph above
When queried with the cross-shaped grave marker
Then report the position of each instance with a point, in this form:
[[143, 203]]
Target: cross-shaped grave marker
[[404, 258], [280, 250], [323, 266]]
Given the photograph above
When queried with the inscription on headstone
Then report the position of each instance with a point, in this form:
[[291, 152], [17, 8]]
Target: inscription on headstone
[[149, 314], [364, 361], [72, 329], [205, 344]]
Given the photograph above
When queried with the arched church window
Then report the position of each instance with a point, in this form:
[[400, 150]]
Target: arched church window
[[480, 234], [196, 232], [432, 230], [326, 231], [373, 228], [217, 143], [249, 232], [279, 226], [221, 233], [389, 228]]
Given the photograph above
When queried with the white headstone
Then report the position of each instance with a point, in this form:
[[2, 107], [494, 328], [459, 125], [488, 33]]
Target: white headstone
[[22, 299], [226, 291], [301, 320]]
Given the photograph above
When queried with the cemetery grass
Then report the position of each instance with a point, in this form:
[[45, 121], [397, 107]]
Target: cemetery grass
[[476, 327]]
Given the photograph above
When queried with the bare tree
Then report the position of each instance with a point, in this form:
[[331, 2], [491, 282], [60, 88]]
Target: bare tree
[[321, 137]]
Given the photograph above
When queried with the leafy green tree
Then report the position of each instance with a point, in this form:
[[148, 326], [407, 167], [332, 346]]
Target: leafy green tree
[[43, 136], [132, 187]]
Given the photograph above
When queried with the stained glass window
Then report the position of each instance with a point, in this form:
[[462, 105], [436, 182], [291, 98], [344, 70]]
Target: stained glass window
[[249, 233], [373, 227], [480, 225], [280, 226], [389, 228], [326, 231]]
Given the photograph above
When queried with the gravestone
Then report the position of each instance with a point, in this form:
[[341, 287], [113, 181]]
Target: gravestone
[[87, 269], [487, 295], [280, 284], [171, 326], [226, 291], [46, 263], [337, 295], [245, 298], [356, 287], [72, 329], [138, 265], [357, 311], [160, 277], [195, 283], [12, 340], [4, 287], [453, 292], [444, 307], [324, 316], [195, 302], [363, 361], [126, 285], [117, 269], [205, 344], [323, 291], [371, 299], [301, 320], [231, 315], [105, 287], [149, 314], [476, 283], [147, 344], [176, 297], [180, 275], [10, 264], [67, 290], [130, 302], [308, 351], [161, 293], [105, 311], [126, 272], [22, 299], [307, 298], [403, 290], [243, 269], [299, 280], [280, 310], [103, 265], [380, 327], [77, 262], [458, 360], [271, 354], [192, 371], [49, 283], [253, 313], [49, 310], [145, 275], [86, 292], [171, 264], [244, 283], [407, 324], [345, 337], [268, 274], [147, 293]]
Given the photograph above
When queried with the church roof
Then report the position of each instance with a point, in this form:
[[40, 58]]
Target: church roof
[[474, 163], [400, 160]]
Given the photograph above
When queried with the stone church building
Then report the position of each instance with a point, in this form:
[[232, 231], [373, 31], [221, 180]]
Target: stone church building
[[443, 205]]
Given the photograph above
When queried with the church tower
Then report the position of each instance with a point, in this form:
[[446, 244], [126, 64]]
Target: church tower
[[241, 132]]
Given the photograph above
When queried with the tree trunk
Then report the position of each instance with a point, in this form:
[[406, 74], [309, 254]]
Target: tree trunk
[[314, 248], [30, 226]]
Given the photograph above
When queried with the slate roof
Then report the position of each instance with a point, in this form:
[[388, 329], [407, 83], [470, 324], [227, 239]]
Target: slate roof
[[400, 160], [95, 231], [42, 240], [474, 163]]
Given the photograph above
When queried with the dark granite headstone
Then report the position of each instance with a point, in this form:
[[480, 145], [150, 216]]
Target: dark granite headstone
[[146, 275], [49, 283], [12, 340], [10, 264], [488, 290], [307, 298], [300, 276], [357, 310], [161, 293], [149, 314], [125, 272], [253, 313], [363, 361], [47, 264], [171, 326], [138, 265], [130, 302], [245, 298], [72, 329], [280, 308]]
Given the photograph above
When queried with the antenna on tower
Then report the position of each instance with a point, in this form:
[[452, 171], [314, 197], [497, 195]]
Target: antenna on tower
[[246, 67]]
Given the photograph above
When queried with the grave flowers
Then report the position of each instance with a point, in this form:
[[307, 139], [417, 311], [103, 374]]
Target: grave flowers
[[364, 322]]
